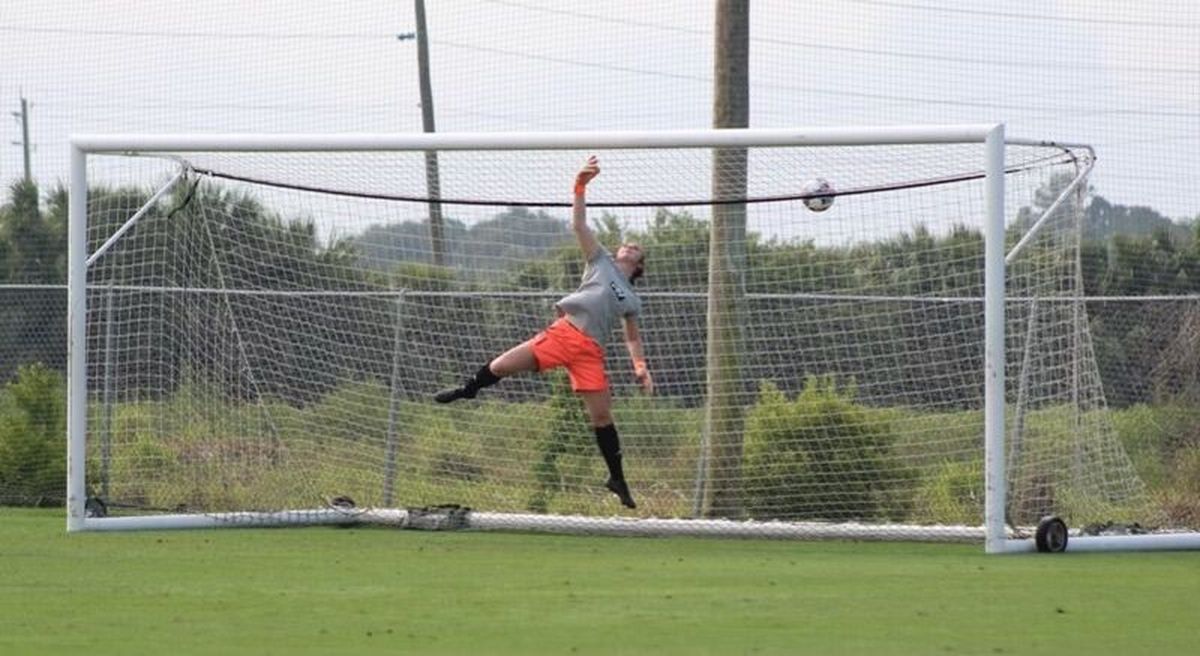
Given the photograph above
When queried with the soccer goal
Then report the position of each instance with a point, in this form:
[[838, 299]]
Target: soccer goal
[[258, 324]]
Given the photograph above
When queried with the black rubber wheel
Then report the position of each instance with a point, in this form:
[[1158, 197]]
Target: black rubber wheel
[[1051, 536]]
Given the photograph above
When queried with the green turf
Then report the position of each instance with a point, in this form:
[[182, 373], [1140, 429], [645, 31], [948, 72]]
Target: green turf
[[358, 591]]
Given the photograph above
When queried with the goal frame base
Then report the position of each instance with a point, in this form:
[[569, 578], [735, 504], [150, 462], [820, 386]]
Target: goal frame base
[[617, 526]]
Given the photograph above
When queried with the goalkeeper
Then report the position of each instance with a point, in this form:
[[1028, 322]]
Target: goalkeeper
[[576, 339]]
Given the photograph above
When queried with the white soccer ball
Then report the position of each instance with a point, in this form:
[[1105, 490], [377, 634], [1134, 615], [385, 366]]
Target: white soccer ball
[[818, 194]]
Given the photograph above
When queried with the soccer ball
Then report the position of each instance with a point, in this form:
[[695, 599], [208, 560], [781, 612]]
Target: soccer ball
[[818, 194]]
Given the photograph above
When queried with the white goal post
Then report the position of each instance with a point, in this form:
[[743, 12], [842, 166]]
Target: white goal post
[[126, 294]]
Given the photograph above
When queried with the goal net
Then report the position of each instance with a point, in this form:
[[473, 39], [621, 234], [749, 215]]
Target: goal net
[[263, 323]]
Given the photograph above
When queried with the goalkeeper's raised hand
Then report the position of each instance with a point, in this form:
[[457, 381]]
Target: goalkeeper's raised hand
[[590, 169]]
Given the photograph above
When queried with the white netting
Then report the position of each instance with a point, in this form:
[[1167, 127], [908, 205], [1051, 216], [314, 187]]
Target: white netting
[[271, 333]]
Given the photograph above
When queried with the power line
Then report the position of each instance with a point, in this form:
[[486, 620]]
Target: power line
[[383, 107], [1030, 17], [573, 62], [287, 107], [603, 19], [618, 21], [810, 90], [824, 47], [892, 54], [263, 36]]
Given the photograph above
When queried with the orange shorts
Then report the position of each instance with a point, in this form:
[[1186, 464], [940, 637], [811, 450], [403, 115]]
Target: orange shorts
[[564, 345]]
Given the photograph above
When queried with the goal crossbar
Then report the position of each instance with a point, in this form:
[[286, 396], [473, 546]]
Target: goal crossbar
[[576, 140]]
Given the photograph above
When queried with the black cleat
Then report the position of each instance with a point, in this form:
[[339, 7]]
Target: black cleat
[[449, 395], [621, 489]]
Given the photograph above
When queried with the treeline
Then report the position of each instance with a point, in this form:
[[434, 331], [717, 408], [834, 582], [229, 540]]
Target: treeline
[[309, 312], [33, 257]]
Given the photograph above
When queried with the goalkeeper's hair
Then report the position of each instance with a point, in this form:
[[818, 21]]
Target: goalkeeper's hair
[[641, 264]]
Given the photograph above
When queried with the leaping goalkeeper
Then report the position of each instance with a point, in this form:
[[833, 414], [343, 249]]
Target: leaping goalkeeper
[[576, 340]]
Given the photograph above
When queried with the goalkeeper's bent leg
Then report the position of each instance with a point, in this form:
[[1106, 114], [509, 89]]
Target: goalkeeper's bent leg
[[482, 378]]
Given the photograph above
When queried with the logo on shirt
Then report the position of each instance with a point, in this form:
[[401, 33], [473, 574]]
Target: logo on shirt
[[617, 291]]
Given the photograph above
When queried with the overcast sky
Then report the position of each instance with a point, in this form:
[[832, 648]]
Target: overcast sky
[[1122, 76]]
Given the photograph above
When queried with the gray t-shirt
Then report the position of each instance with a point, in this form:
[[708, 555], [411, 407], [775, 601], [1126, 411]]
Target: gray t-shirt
[[604, 296]]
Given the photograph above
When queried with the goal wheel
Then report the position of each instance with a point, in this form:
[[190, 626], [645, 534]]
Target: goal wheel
[[1051, 536]]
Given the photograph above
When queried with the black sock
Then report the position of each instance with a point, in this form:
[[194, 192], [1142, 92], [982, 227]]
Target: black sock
[[610, 448], [483, 378]]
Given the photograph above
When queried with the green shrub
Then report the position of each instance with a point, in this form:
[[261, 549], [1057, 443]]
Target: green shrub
[[354, 412], [821, 456], [951, 494], [655, 426], [424, 277], [33, 426], [1152, 434], [1181, 498], [563, 454]]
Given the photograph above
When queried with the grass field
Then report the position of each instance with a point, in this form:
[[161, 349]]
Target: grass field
[[359, 591]]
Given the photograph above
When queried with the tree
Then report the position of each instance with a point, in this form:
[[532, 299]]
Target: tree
[[1104, 220], [32, 244], [507, 241], [32, 252]]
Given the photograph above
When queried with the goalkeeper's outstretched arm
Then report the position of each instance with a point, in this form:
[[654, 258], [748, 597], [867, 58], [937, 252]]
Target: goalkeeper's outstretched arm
[[587, 239], [633, 342]]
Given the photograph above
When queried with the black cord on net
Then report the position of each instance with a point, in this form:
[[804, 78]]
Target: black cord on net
[[898, 186]]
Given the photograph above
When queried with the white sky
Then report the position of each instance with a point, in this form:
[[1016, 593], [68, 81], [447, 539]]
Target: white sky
[[1120, 75]]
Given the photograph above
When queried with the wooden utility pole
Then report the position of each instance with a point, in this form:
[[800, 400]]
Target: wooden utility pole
[[23, 117], [724, 418], [432, 179]]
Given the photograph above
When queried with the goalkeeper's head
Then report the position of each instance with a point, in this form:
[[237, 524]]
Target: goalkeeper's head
[[631, 254]]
